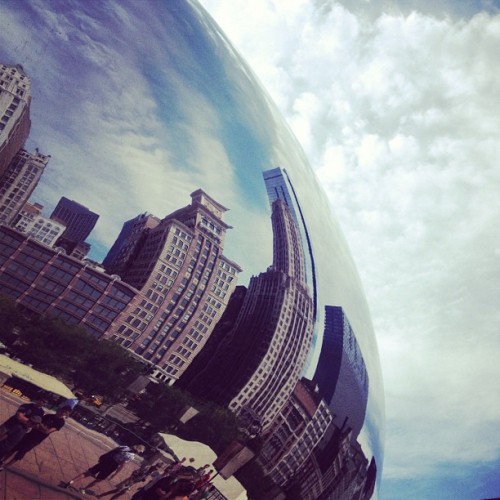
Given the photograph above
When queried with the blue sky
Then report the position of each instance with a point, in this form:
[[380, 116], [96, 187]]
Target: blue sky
[[396, 105]]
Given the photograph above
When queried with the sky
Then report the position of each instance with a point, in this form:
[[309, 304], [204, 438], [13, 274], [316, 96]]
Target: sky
[[396, 105]]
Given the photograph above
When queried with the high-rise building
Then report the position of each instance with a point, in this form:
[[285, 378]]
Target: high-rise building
[[279, 187], [186, 282], [15, 124], [341, 373], [258, 363], [31, 221], [79, 222], [19, 181], [129, 242]]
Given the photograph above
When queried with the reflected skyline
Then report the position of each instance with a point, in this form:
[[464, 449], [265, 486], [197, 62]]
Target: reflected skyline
[[146, 123]]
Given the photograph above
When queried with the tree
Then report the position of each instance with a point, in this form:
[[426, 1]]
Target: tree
[[68, 352]]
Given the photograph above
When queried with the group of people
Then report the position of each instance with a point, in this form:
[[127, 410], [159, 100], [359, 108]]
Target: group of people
[[30, 426], [27, 428], [176, 482]]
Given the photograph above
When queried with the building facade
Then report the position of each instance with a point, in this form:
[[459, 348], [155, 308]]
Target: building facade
[[15, 124], [46, 281], [186, 282], [280, 187], [31, 222], [336, 469], [19, 181], [129, 242], [341, 372], [296, 431], [258, 363], [79, 222]]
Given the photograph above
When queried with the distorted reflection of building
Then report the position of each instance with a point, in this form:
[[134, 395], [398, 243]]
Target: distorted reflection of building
[[15, 124], [43, 229], [295, 432], [47, 281], [258, 362], [186, 283], [79, 222], [341, 373], [336, 470], [18, 182], [129, 242], [279, 187]]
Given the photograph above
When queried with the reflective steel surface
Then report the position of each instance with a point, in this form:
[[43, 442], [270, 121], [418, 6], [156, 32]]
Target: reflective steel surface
[[141, 103]]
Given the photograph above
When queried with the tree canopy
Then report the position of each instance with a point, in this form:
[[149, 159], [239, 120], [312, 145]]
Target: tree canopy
[[67, 352]]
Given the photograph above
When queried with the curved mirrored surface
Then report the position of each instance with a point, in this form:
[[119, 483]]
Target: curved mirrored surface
[[187, 185]]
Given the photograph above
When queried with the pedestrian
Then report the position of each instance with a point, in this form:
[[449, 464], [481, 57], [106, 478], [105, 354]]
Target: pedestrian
[[23, 414], [203, 477], [178, 487], [137, 476], [15, 433], [72, 403], [49, 423], [108, 465], [169, 473]]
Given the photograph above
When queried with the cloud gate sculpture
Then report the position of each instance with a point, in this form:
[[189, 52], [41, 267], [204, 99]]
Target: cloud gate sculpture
[[223, 269]]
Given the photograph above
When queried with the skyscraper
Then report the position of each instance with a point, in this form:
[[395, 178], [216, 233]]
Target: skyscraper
[[19, 181], [79, 222], [15, 124], [186, 282], [279, 187], [341, 373], [128, 243], [258, 363]]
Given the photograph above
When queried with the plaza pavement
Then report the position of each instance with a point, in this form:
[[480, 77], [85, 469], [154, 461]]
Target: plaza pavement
[[60, 457]]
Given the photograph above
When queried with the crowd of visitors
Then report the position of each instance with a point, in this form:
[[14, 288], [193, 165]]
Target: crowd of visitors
[[178, 480]]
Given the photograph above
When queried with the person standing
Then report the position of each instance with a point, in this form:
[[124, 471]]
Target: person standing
[[108, 465], [15, 433], [138, 476], [23, 414], [50, 423]]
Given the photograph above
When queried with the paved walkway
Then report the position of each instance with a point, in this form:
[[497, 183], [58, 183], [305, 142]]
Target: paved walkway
[[60, 457]]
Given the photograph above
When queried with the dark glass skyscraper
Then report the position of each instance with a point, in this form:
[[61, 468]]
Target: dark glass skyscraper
[[341, 372], [79, 222]]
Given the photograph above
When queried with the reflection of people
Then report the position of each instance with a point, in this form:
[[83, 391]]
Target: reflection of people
[[178, 487], [72, 402], [137, 476], [16, 432], [109, 464], [23, 414], [49, 424]]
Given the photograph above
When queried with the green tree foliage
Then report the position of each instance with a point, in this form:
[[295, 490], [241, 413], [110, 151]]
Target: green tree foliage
[[68, 352], [162, 406], [214, 425]]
